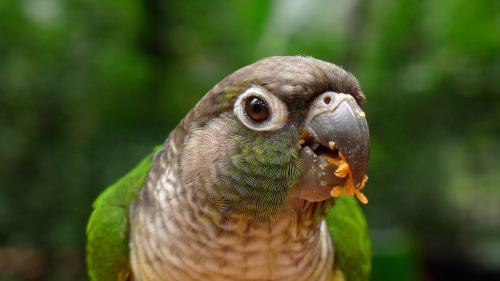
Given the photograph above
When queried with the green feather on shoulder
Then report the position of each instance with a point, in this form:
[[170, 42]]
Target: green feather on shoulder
[[108, 227]]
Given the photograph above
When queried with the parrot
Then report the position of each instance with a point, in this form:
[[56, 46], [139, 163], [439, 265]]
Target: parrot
[[259, 181]]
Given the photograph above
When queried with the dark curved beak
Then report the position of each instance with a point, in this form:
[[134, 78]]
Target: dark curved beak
[[342, 122], [335, 123]]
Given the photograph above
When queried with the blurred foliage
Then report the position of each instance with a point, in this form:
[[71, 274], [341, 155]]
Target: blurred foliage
[[88, 87]]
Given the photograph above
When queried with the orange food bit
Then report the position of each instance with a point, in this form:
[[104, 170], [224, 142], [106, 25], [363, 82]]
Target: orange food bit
[[337, 191], [343, 171]]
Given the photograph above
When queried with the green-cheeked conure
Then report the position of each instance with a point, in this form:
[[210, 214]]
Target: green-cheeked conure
[[255, 183]]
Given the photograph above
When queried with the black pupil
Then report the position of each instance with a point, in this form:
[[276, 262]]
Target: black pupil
[[256, 109]]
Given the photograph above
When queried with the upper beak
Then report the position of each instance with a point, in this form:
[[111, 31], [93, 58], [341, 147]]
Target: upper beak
[[335, 123]]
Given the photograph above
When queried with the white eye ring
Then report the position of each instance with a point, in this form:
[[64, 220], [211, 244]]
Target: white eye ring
[[277, 111]]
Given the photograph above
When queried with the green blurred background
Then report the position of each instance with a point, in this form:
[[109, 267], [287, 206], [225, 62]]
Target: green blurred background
[[88, 87]]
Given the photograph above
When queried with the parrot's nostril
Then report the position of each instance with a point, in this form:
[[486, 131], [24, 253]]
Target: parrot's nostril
[[327, 100]]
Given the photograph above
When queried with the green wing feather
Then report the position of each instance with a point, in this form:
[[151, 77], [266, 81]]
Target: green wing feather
[[108, 227], [349, 232]]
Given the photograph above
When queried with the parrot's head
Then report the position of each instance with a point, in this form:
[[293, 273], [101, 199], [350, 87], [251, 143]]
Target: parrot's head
[[280, 132]]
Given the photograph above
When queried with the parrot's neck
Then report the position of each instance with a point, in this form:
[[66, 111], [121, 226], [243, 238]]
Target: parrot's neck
[[178, 234]]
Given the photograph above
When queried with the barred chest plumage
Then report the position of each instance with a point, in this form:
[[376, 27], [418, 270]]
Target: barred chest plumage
[[179, 234]]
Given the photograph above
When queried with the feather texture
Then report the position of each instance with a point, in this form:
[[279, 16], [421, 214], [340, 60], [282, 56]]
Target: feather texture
[[218, 202]]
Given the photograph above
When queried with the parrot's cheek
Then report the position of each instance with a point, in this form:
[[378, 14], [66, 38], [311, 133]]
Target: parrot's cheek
[[318, 179]]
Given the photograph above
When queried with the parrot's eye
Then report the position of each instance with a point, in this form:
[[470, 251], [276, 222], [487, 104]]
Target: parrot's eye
[[256, 109], [260, 110]]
